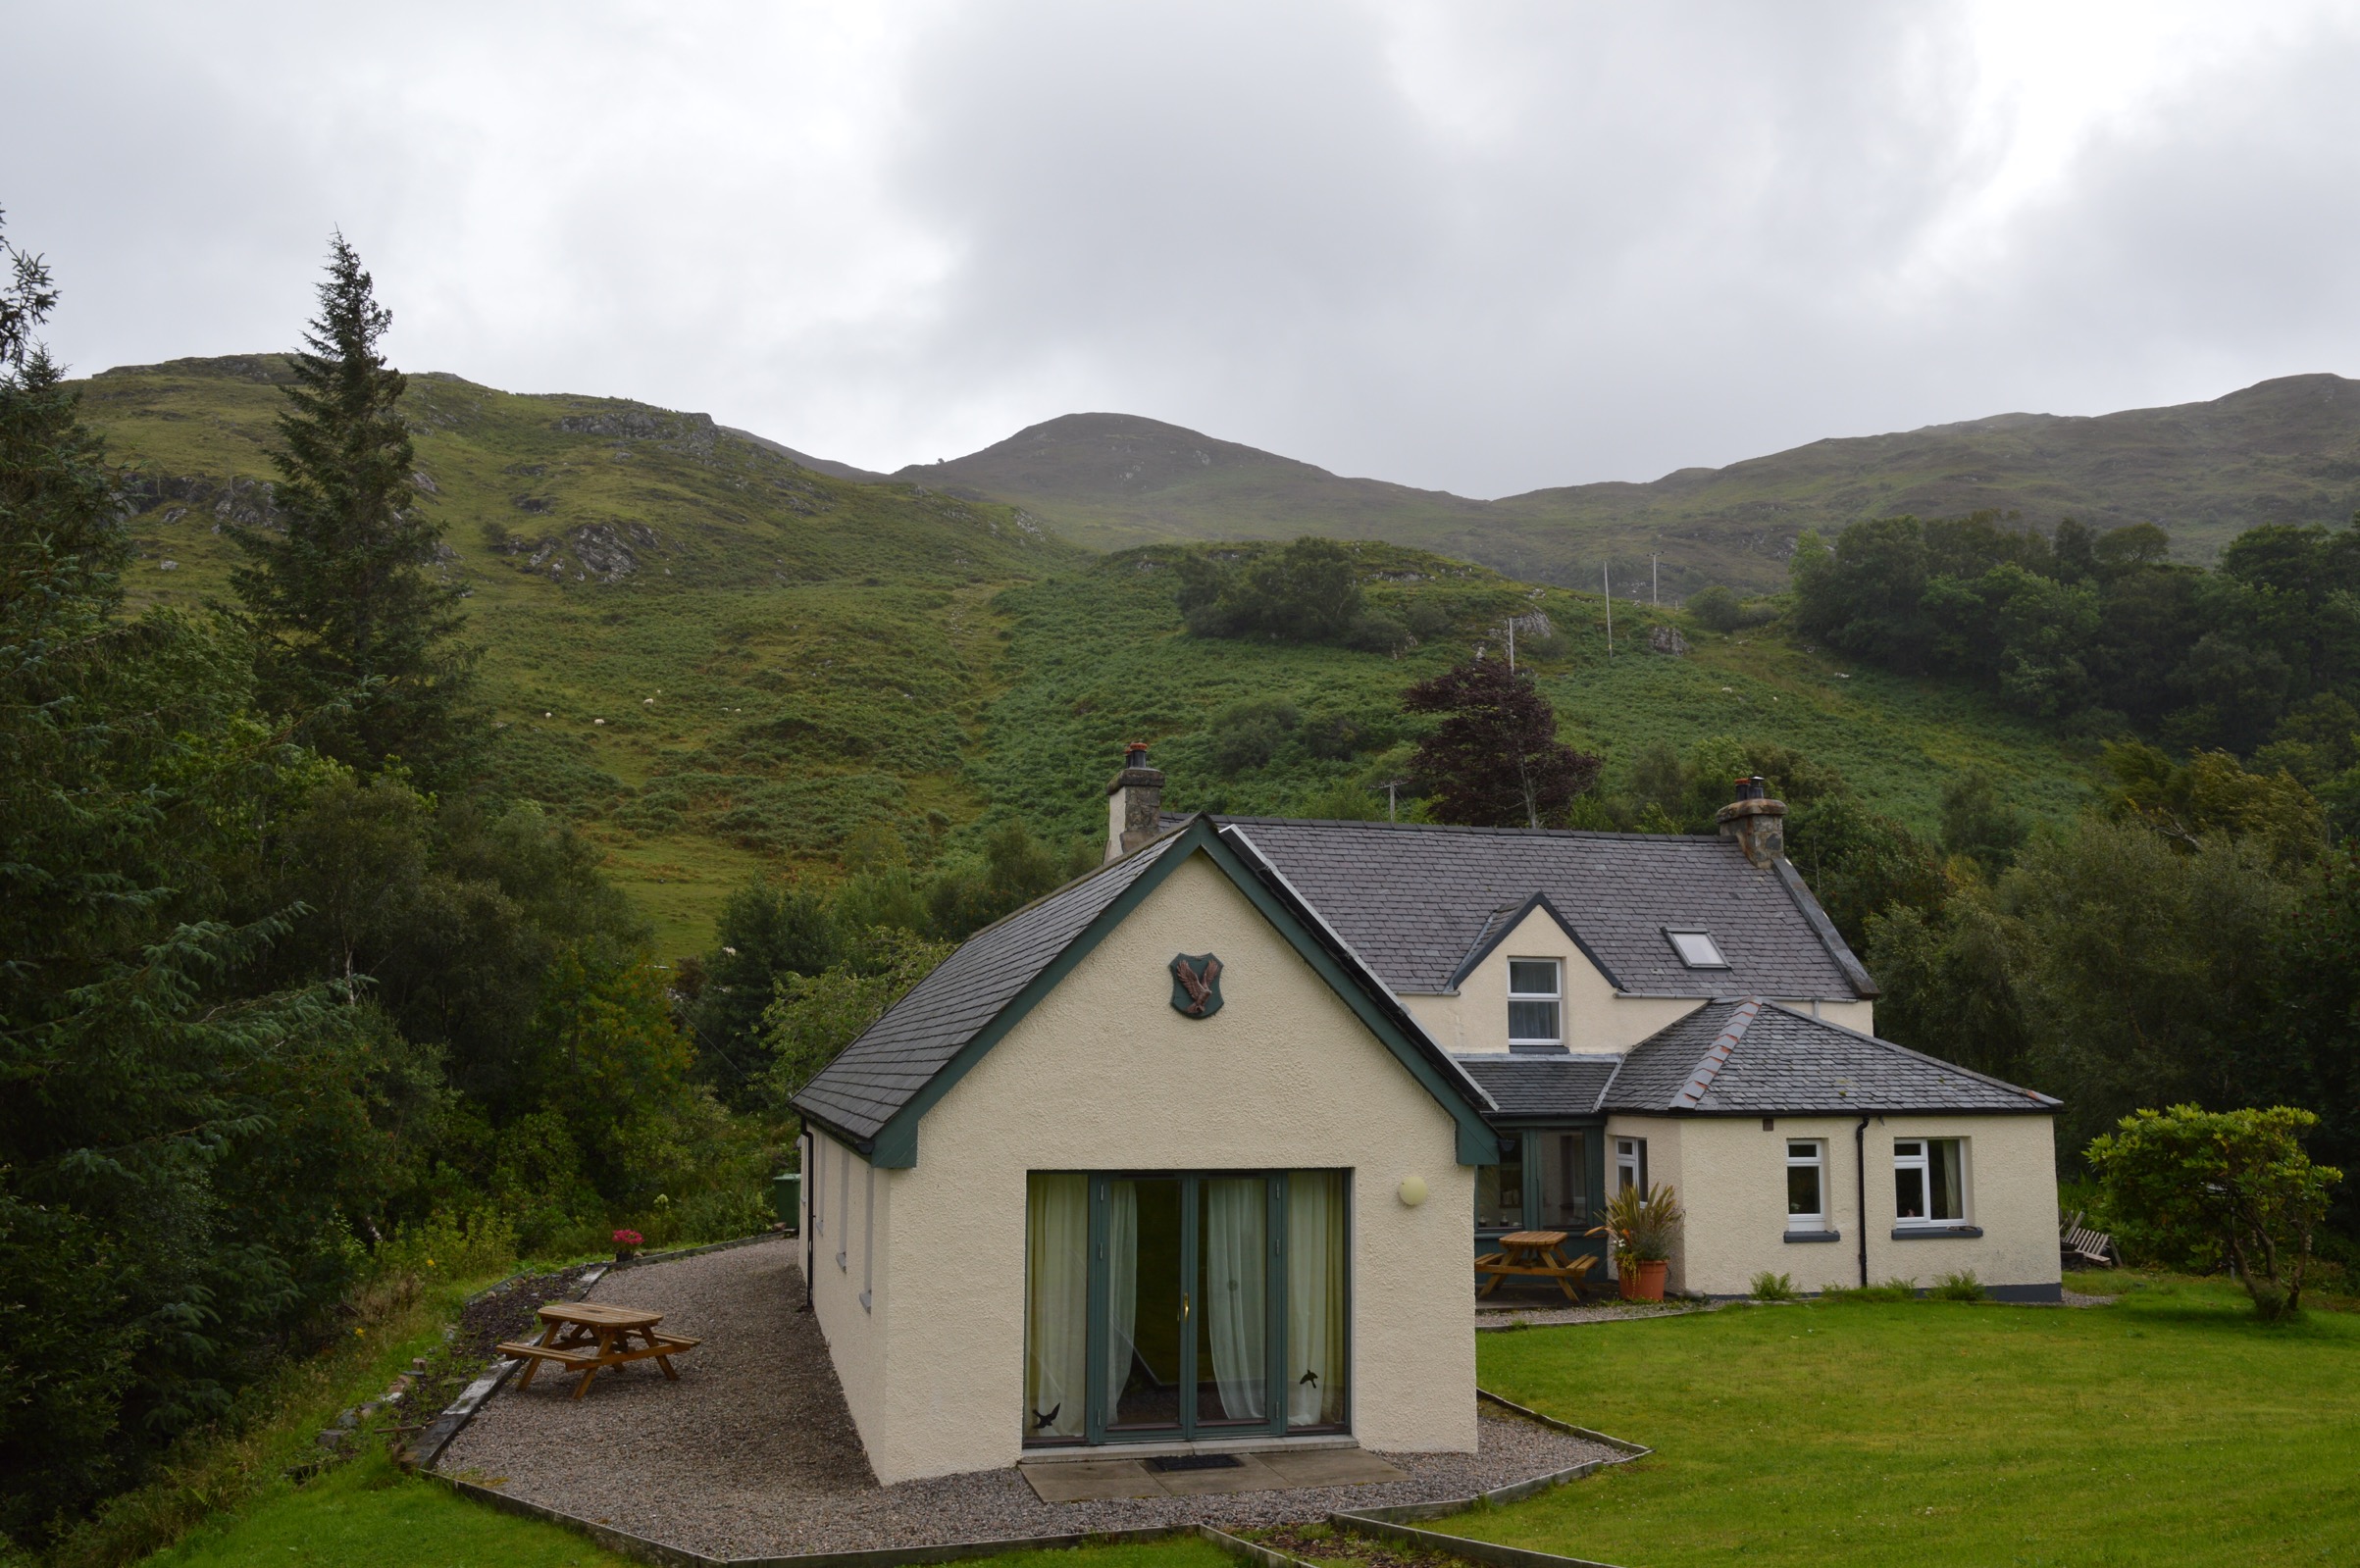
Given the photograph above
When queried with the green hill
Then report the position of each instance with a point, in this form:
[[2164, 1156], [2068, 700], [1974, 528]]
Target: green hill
[[2281, 451], [717, 658]]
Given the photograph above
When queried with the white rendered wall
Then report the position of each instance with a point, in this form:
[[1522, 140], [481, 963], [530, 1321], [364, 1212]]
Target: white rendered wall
[[1596, 1017], [1730, 1175], [1105, 1075]]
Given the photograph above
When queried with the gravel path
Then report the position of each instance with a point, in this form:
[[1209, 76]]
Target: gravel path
[[752, 1453]]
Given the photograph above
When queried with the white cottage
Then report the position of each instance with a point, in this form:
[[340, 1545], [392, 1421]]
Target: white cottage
[[1186, 1152], [1154, 1159]]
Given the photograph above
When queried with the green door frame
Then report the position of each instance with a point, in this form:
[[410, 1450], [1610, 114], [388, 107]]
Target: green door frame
[[1099, 1397], [1525, 1139]]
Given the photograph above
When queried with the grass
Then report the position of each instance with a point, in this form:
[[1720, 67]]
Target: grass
[[2169, 1429], [797, 658], [370, 1514]]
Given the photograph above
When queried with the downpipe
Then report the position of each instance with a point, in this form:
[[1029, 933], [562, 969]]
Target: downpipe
[[1860, 1177]]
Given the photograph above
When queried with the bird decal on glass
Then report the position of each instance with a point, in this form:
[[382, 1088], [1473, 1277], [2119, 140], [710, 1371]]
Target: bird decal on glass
[[1041, 1423], [1196, 985]]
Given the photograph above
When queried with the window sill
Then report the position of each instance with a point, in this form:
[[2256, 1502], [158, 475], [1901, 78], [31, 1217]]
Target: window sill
[[1536, 1047], [1814, 1235], [1933, 1233]]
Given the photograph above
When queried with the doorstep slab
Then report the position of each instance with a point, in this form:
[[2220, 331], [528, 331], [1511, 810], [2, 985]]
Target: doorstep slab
[[1091, 1481], [1332, 1467]]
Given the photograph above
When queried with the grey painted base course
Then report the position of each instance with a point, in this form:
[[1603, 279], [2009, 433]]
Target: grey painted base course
[[1375, 1521]]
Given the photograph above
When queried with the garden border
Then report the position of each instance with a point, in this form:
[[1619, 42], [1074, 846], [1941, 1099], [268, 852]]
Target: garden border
[[1375, 1521]]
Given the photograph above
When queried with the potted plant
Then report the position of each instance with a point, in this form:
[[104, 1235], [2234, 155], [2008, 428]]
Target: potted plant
[[1639, 1229], [628, 1244]]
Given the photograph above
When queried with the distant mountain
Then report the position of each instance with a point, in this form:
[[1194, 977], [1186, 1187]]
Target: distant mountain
[[2283, 450]]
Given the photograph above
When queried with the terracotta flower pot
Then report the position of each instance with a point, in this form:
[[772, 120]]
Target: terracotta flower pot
[[1642, 1280]]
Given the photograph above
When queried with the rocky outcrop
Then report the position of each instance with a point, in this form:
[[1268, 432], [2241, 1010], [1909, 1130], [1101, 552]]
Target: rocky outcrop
[[606, 552], [1663, 640], [691, 433], [251, 502]]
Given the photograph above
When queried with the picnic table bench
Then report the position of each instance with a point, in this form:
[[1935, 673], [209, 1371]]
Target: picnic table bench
[[2078, 1240], [1534, 1253], [588, 1336]]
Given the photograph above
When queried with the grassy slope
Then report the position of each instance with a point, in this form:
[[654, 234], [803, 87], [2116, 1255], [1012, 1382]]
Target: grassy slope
[[797, 656], [2171, 1429], [1099, 657], [2284, 450], [815, 650]]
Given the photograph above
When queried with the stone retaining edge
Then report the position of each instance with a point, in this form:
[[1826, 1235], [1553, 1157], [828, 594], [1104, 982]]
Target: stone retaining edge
[[1394, 1521], [454, 1416]]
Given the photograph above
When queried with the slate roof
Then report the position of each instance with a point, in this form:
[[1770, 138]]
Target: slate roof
[[1758, 1058], [1530, 1087], [1416, 902], [885, 1068]]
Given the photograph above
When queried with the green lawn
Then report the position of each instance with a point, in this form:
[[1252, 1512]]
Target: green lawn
[[368, 1514], [2169, 1429]]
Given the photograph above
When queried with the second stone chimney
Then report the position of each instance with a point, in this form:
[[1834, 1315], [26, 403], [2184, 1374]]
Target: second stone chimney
[[1135, 802], [1757, 822]]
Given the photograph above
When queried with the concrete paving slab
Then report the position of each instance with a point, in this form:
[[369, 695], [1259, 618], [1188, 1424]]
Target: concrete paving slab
[[1089, 1480], [1332, 1467]]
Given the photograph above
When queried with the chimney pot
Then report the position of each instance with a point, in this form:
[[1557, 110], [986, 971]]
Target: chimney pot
[[1756, 821], [1134, 802]]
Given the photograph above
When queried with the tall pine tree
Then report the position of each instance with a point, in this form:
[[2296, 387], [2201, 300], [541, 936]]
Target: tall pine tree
[[359, 635]]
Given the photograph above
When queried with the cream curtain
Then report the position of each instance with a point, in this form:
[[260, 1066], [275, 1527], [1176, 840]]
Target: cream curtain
[[1122, 1288], [1057, 1303], [1236, 1303], [1315, 1293]]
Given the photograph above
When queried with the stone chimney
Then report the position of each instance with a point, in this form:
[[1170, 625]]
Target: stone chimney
[[1757, 822], [1134, 799]]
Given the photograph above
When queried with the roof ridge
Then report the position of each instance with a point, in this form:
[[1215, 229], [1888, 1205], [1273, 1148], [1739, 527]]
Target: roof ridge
[[1477, 828], [1918, 1055], [1716, 1055]]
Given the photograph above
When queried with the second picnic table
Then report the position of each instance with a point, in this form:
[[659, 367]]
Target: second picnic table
[[588, 1336], [1534, 1253]]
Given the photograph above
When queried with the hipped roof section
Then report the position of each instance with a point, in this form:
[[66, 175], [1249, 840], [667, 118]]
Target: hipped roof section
[[877, 1086], [1758, 1058]]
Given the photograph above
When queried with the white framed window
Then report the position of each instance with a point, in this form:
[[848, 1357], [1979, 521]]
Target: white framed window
[[1697, 948], [1535, 1001], [1928, 1181], [1806, 1185], [1630, 1164]]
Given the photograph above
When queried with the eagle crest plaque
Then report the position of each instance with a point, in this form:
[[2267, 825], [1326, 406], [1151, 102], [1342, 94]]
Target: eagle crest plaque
[[1196, 985]]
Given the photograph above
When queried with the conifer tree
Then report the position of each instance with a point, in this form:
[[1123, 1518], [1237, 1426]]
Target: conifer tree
[[359, 636]]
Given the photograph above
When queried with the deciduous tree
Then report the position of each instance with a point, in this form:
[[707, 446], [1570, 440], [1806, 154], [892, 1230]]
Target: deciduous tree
[[1495, 759]]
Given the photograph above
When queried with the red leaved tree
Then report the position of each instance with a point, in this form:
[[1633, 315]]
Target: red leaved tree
[[1495, 760]]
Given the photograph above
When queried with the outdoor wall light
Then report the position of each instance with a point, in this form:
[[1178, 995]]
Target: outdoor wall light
[[1413, 1191]]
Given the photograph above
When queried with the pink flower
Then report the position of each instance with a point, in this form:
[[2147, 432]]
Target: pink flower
[[628, 1239]]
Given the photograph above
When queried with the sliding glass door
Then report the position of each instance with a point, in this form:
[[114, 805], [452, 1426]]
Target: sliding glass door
[[1191, 1300]]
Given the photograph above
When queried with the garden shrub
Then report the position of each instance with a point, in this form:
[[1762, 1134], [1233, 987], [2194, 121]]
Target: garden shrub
[[1962, 1285], [1768, 1286]]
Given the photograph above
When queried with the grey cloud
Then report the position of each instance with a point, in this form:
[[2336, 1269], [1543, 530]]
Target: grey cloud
[[1486, 248]]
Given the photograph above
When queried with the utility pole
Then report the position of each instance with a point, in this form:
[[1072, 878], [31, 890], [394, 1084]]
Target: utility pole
[[1606, 576], [1512, 642], [1393, 804], [1655, 581]]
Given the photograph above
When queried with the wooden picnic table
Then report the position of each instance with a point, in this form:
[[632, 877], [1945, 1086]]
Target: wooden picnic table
[[588, 1336], [1534, 1253]]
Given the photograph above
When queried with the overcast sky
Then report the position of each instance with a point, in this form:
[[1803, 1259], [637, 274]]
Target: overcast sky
[[1477, 248]]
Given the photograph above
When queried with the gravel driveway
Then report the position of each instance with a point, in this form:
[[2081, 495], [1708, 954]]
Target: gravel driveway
[[752, 1453]]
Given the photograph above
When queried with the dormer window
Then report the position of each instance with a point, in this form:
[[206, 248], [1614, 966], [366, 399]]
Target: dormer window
[[1697, 950], [1535, 994]]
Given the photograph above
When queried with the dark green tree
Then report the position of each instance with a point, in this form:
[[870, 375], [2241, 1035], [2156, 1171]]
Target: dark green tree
[[360, 636]]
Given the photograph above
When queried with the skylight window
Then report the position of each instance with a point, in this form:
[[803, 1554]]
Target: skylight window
[[1696, 949]]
